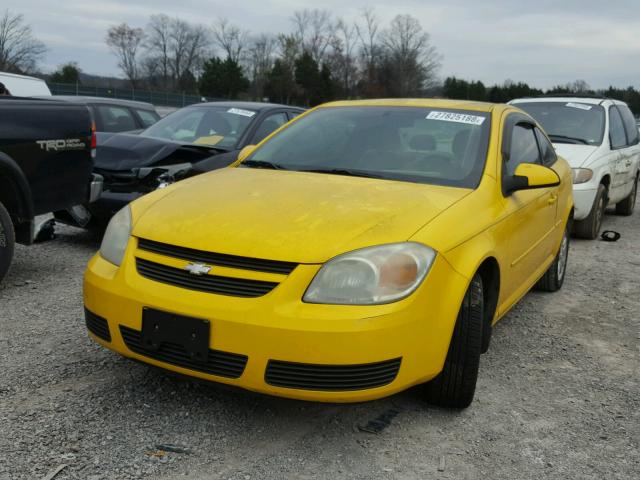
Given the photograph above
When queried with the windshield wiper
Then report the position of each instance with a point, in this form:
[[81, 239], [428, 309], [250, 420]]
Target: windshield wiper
[[344, 171], [261, 164], [568, 139]]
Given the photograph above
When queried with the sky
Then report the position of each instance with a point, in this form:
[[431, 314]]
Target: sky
[[542, 42]]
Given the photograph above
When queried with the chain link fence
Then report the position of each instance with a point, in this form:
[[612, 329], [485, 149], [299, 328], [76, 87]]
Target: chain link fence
[[165, 99]]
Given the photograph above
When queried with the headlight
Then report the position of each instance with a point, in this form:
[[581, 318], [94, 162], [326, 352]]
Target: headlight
[[371, 275], [116, 237], [582, 175]]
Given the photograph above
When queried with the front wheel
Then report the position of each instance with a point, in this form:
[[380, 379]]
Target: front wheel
[[589, 228], [7, 241], [455, 386], [553, 278]]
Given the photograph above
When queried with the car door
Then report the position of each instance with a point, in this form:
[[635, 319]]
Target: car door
[[531, 213], [631, 153], [619, 155]]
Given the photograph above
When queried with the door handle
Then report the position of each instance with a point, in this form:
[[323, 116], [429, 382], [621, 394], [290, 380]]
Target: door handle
[[629, 163], [552, 199]]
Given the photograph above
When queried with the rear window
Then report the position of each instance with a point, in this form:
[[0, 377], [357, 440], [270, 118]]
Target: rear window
[[147, 117], [568, 122]]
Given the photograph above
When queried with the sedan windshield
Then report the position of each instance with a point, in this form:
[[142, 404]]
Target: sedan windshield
[[568, 122], [221, 127], [435, 146]]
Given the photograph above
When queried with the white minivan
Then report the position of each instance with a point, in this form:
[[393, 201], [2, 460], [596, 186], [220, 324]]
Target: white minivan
[[600, 140], [24, 86]]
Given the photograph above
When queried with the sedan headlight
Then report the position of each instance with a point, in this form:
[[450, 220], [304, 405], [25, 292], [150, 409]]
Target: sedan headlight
[[371, 275], [582, 175], [116, 237]]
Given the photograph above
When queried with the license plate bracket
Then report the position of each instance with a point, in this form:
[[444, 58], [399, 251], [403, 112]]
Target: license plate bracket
[[192, 334]]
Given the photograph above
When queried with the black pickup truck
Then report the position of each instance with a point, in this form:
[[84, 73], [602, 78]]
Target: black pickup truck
[[46, 162]]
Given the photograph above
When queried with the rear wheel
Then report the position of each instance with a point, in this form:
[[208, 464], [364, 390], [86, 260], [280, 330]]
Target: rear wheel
[[589, 228], [7, 241], [455, 386], [626, 206], [553, 278]]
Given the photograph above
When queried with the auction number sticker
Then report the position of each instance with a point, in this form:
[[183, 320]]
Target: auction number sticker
[[456, 117], [581, 106], [239, 111]]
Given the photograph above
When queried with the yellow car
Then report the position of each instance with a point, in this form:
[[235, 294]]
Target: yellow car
[[364, 248]]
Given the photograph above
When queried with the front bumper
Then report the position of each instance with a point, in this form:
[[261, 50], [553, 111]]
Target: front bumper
[[279, 329], [583, 198]]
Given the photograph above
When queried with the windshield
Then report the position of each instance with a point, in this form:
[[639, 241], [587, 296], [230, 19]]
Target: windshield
[[568, 122], [435, 146], [221, 127]]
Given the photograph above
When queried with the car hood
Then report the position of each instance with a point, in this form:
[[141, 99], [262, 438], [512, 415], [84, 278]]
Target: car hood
[[576, 155], [292, 216], [125, 151]]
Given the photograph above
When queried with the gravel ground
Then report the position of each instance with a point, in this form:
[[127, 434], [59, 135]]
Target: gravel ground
[[558, 394]]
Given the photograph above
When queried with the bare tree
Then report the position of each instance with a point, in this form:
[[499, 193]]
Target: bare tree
[[260, 61], [158, 46], [19, 50], [188, 44], [414, 61], [230, 39], [343, 59], [315, 31], [368, 35], [125, 42]]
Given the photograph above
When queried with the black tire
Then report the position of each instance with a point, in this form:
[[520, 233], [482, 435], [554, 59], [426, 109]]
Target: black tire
[[7, 241], [626, 206], [589, 228], [455, 386], [553, 278]]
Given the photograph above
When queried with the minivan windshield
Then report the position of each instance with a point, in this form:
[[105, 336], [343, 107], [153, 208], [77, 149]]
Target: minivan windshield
[[216, 126], [568, 122], [424, 145]]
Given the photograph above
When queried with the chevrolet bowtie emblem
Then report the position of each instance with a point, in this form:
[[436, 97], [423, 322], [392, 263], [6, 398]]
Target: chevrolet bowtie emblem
[[197, 269]]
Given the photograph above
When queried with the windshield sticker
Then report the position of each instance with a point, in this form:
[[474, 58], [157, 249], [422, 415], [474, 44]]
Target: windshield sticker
[[581, 106], [239, 111], [456, 117], [209, 140]]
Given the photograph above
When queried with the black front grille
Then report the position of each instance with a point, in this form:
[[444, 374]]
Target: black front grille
[[236, 287], [222, 364], [331, 377], [97, 325], [219, 259]]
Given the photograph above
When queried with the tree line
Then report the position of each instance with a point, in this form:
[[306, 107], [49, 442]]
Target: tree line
[[322, 57], [461, 89]]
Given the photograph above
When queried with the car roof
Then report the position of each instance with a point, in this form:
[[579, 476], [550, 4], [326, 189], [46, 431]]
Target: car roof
[[103, 101], [416, 102], [568, 98], [246, 105]]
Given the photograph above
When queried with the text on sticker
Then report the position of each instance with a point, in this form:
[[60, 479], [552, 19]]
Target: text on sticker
[[581, 106], [456, 117], [239, 111]]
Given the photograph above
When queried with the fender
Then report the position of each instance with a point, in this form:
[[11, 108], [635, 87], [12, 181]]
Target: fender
[[17, 200]]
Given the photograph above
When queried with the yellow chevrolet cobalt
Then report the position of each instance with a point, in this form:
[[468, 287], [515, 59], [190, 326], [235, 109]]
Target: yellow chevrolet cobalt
[[362, 249]]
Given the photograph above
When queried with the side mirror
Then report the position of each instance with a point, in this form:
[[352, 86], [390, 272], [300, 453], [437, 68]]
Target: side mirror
[[245, 152], [529, 176]]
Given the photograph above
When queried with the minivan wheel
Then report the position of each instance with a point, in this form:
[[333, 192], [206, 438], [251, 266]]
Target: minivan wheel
[[553, 278], [589, 228], [626, 206], [455, 386], [7, 241]]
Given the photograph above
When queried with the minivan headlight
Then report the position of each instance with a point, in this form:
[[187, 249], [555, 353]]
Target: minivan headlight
[[116, 237], [581, 175], [372, 275]]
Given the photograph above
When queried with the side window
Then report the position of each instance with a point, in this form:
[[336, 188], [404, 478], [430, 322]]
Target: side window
[[293, 114], [616, 129], [524, 148], [549, 156], [116, 119], [148, 118], [268, 125], [629, 124]]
